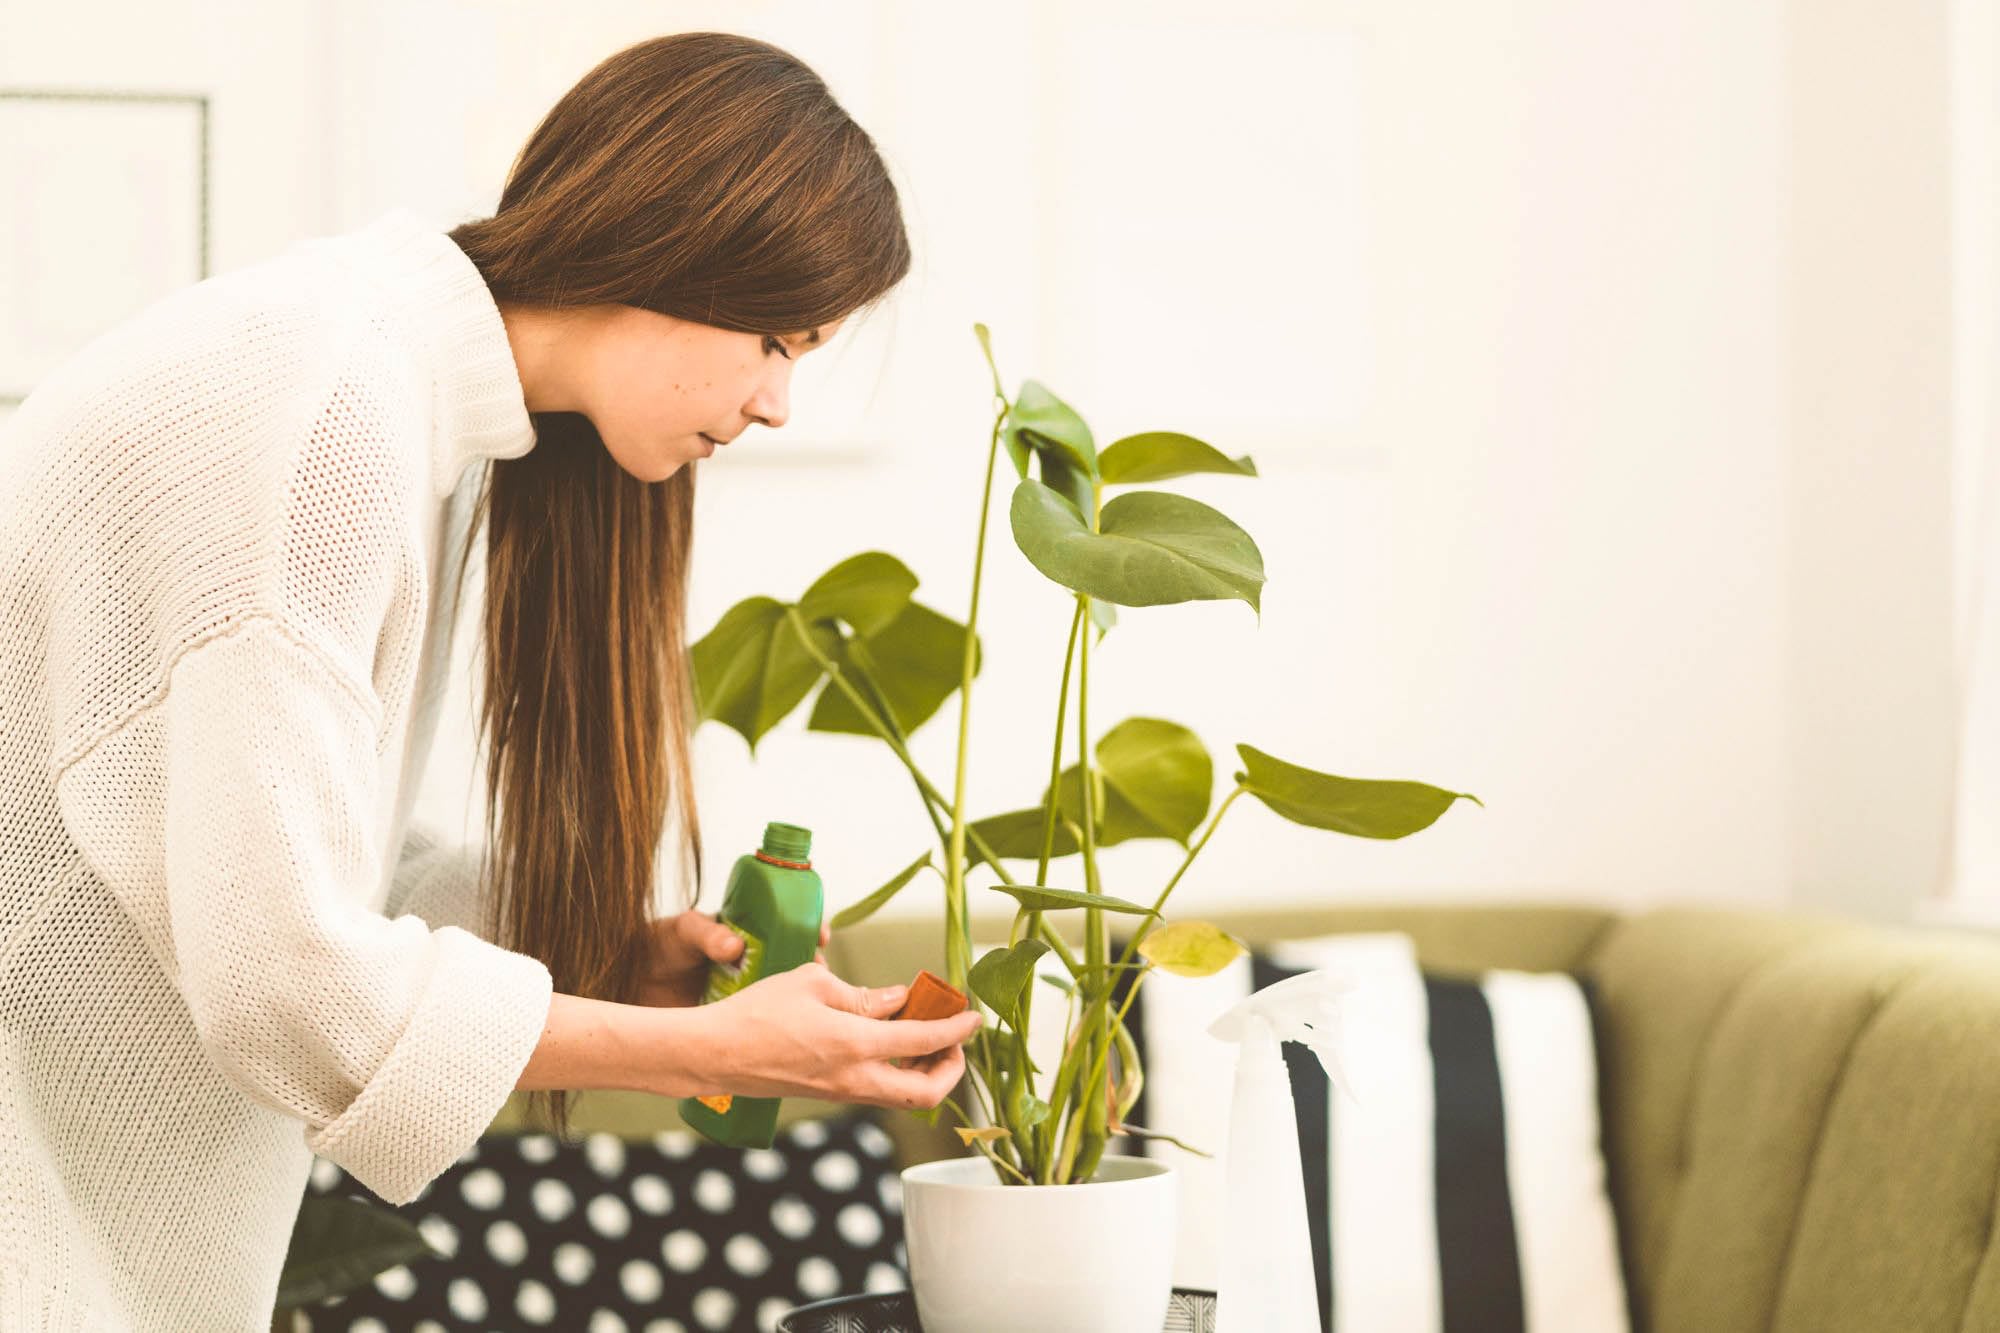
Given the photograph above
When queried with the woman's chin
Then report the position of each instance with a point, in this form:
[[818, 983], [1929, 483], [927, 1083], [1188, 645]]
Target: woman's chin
[[651, 466]]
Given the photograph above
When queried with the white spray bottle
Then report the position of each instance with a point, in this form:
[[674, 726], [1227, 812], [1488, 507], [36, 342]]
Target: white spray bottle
[[1266, 1280]]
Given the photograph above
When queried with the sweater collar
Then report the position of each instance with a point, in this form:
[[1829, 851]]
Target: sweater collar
[[480, 410]]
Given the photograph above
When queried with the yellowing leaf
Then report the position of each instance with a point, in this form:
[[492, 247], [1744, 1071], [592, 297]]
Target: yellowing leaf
[[989, 1134], [1191, 948]]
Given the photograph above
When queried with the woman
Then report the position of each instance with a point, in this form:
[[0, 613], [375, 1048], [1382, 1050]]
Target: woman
[[232, 531]]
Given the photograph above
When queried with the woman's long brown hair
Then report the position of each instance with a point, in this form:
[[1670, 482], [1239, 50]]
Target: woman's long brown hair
[[714, 178]]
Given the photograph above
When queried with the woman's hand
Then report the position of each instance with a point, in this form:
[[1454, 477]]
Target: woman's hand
[[806, 1033], [680, 949]]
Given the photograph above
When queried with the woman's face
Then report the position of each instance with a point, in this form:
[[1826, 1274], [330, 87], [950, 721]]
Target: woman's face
[[653, 384]]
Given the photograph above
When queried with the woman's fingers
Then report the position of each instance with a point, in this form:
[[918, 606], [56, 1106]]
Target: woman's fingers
[[926, 1083], [908, 1037], [710, 936]]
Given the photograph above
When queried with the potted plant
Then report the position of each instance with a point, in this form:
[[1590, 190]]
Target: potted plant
[[1044, 1229]]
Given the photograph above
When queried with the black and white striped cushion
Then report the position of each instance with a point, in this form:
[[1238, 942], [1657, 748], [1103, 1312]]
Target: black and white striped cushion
[[1464, 1189]]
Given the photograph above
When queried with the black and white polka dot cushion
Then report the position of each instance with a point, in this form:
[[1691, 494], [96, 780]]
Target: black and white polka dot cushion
[[669, 1235]]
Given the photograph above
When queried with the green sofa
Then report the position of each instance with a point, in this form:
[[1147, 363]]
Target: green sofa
[[1803, 1123]]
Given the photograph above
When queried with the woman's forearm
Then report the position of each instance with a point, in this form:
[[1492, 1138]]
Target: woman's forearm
[[596, 1044]]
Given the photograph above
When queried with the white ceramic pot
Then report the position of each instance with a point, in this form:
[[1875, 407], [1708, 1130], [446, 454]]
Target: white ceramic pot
[[992, 1258]]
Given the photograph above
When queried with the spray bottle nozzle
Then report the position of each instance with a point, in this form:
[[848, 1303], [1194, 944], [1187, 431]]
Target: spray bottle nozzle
[[1304, 1008]]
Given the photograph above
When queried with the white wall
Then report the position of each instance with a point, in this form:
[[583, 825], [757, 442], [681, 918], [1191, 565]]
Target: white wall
[[1602, 468], [1870, 372], [1538, 555]]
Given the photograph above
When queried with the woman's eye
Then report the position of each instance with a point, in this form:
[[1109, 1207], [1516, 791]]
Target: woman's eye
[[773, 345]]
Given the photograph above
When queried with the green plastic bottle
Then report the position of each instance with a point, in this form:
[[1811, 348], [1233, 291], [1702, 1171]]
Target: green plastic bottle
[[774, 901]]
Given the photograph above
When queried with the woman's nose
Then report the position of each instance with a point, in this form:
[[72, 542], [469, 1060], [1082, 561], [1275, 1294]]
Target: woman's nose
[[771, 407]]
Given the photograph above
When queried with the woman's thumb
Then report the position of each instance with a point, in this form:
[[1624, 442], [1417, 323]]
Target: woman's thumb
[[877, 1001]]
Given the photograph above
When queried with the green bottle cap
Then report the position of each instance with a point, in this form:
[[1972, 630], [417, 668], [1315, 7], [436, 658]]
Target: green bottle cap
[[787, 842]]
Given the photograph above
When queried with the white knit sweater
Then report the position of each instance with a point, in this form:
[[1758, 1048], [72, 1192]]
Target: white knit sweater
[[222, 536]]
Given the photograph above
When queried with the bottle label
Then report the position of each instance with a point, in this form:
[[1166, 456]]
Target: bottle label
[[725, 979]]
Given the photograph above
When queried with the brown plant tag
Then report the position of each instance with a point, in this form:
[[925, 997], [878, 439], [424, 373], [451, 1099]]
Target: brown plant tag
[[930, 996]]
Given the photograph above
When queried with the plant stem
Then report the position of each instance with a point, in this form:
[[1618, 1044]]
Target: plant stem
[[1055, 756], [958, 948], [891, 735], [887, 732], [981, 1145], [1094, 934], [1098, 1070], [1081, 1121], [1146, 923], [1049, 815], [992, 1157]]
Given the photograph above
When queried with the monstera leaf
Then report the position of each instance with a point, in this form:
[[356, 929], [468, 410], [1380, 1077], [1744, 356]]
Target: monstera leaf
[[1041, 898], [751, 670], [1191, 948], [1363, 808], [1155, 781], [1159, 454], [1041, 423], [914, 661], [868, 591], [1150, 548], [1002, 976], [1018, 834]]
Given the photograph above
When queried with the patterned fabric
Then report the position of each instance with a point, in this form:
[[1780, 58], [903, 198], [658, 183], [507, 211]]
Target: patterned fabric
[[669, 1235]]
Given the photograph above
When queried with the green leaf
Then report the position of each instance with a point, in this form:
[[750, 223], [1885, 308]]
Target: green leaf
[[979, 331], [1191, 948], [1073, 484], [916, 662], [868, 591], [1001, 976], [1018, 834], [341, 1244], [1364, 808], [1159, 454], [868, 906], [1045, 423], [1044, 899], [1158, 780], [751, 670], [1017, 449], [1103, 615], [1152, 548]]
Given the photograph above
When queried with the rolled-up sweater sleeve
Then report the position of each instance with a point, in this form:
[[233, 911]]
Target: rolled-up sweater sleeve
[[253, 842]]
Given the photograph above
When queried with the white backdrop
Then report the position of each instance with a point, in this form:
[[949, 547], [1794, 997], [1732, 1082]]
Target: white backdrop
[[1569, 373]]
